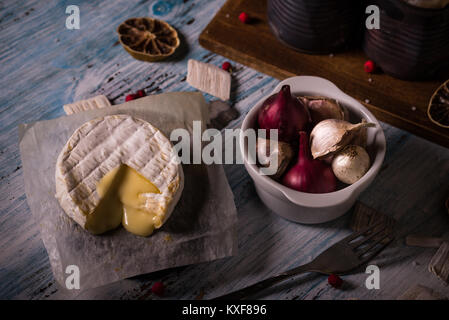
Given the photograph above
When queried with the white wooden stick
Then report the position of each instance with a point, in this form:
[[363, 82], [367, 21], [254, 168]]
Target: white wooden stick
[[209, 78], [419, 292], [439, 265], [96, 102], [414, 240]]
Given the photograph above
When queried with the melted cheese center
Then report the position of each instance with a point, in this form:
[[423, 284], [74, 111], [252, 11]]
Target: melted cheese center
[[123, 201]]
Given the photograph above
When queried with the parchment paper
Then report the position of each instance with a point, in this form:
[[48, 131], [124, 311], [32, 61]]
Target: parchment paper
[[201, 228]]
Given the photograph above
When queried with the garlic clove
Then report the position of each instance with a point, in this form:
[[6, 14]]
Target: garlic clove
[[331, 135], [322, 108], [265, 156], [361, 138], [350, 164]]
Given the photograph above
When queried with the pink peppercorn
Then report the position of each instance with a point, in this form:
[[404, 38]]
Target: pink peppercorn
[[335, 281], [158, 288], [139, 94], [226, 66], [369, 66], [243, 17], [130, 97]]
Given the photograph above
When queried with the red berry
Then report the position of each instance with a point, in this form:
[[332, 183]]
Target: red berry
[[141, 93], [130, 97], [243, 17], [369, 66], [158, 288], [335, 281], [226, 66]]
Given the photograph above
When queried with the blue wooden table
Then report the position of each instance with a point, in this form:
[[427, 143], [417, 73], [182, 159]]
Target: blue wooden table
[[44, 65]]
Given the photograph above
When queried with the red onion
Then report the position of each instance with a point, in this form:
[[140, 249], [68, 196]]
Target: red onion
[[309, 175], [284, 112]]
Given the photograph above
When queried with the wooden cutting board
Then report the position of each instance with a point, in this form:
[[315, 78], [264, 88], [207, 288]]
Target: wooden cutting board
[[400, 103]]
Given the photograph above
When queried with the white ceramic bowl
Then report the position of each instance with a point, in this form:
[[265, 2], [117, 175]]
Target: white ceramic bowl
[[311, 208]]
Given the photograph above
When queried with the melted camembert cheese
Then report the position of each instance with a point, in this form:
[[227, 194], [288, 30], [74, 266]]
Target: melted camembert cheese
[[122, 191]]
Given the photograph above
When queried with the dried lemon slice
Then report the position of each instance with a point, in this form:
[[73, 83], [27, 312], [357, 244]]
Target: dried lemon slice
[[148, 39], [438, 110]]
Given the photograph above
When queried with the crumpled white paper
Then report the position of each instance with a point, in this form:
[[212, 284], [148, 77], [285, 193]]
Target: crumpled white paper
[[201, 228]]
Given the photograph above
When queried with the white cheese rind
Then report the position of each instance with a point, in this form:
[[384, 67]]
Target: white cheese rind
[[103, 144]]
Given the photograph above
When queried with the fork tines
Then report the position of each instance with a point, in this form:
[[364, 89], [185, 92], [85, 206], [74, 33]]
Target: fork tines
[[374, 239], [365, 231], [364, 216], [368, 254]]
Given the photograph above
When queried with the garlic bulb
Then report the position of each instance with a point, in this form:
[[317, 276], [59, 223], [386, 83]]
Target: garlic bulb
[[331, 135], [350, 164]]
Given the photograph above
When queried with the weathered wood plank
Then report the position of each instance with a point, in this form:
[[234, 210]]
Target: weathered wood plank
[[400, 103]]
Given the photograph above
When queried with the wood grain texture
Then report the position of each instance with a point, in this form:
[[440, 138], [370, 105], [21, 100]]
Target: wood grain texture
[[400, 103], [44, 65]]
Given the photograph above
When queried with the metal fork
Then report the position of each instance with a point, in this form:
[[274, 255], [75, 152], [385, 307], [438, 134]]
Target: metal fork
[[341, 258]]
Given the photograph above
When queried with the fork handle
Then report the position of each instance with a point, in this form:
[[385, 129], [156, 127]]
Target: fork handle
[[258, 286]]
